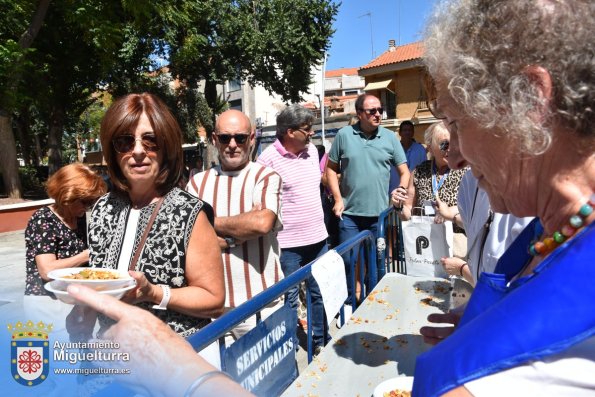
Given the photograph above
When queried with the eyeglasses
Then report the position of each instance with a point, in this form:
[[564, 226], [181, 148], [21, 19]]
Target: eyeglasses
[[125, 143], [226, 138], [436, 112], [430, 87], [373, 111], [444, 145], [306, 130]]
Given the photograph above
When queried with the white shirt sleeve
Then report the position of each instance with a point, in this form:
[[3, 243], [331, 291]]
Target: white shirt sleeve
[[570, 373]]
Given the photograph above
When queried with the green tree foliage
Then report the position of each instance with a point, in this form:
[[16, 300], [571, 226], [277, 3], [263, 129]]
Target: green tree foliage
[[270, 42], [87, 46], [12, 63], [14, 23]]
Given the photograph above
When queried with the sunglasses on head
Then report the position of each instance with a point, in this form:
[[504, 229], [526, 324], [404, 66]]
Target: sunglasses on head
[[125, 143], [444, 145], [226, 138], [373, 111]]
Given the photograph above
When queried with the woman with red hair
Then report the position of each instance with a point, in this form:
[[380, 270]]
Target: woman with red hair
[[56, 235]]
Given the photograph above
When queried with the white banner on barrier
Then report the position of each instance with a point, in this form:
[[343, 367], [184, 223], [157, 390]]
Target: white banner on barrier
[[329, 272]]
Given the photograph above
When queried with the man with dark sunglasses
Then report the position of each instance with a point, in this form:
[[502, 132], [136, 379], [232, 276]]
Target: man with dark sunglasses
[[364, 154], [245, 197]]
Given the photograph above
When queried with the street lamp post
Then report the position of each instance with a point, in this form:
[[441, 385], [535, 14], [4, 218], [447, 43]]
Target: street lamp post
[[321, 97]]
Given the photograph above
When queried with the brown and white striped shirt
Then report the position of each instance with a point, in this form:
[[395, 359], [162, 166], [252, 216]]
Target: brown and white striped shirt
[[253, 266]]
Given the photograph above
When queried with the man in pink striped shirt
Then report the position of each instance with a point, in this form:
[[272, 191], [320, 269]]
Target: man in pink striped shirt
[[245, 197], [303, 237]]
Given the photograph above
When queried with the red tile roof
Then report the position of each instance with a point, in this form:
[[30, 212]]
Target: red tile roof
[[401, 53], [340, 72]]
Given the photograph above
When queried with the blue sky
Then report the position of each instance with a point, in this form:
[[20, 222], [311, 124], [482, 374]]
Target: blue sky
[[351, 45]]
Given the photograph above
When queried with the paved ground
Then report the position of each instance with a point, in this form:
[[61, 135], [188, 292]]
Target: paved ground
[[12, 284], [12, 270], [8, 201]]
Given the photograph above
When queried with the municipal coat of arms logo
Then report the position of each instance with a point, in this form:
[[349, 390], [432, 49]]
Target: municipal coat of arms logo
[[29, 352]]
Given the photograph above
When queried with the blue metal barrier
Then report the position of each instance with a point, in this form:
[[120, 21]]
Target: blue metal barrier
[[365, 245], [391, 254]]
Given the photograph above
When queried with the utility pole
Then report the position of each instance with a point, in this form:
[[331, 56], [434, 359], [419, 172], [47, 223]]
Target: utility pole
[[321, 96], [369, 15], [399, 22]]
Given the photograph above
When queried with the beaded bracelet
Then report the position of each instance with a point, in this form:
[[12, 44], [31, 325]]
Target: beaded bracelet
[[202, 379]]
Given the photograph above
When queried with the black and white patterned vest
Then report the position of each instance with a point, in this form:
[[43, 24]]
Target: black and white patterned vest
[[163, 257]]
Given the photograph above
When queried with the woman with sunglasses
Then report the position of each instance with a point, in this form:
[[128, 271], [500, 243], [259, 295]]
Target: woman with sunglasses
[[433, 178], [56, 236], [149, 226]]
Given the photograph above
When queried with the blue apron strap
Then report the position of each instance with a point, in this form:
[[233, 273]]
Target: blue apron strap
[[493, 286], [517, 255]]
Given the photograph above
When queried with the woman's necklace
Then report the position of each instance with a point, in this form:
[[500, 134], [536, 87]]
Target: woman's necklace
[[546, 245]]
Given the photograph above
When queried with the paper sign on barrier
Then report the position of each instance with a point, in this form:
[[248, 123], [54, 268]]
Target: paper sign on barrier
[[329, 272]]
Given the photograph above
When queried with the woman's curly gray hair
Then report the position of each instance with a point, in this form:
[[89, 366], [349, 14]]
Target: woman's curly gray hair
[[481, 49]]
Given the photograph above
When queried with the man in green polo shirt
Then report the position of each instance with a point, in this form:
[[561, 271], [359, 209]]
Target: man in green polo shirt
[[364, 154]]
